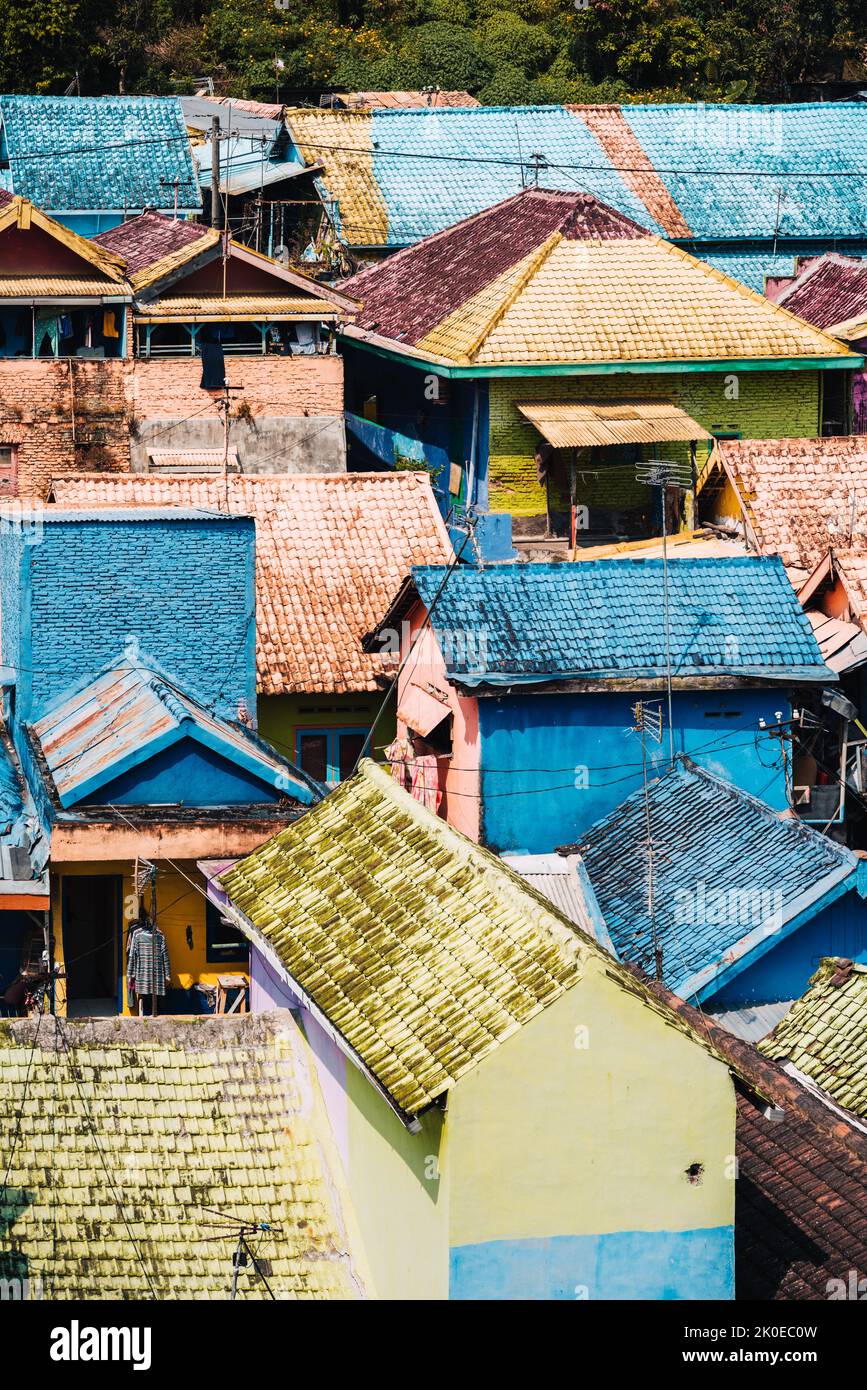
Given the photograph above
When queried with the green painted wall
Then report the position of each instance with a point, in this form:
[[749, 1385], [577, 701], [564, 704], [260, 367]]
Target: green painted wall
[[281, 716], [769, 405]]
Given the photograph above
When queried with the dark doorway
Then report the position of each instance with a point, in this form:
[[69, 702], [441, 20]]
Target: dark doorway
[[91, 933]]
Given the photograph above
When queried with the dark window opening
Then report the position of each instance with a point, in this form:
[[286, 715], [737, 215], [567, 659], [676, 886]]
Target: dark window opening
[[223, 942]]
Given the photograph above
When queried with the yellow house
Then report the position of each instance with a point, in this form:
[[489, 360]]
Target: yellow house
[[518, 1115]]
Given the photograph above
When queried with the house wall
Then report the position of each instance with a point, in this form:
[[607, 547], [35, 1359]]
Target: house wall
[[769, 405], [567, 760], [78, 593], [63, 415], [186, 773], [398, 1181], [180, 904], [281, 717], [166, 387], [568, 1155], [839, 929]]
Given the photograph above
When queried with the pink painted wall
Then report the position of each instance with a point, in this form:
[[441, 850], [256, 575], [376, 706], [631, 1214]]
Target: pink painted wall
[[459, 775]]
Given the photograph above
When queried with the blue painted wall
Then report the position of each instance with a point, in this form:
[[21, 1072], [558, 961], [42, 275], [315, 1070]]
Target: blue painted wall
[[784, 971], [188, 774], [620, 1265], [76, 592], [552, 765]]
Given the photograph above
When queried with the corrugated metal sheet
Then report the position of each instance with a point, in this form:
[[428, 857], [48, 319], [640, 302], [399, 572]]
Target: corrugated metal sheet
[[59, 287], [192, 460], [129, 713], [555, 878], [753, 1022], [258, 308], [587, 423]]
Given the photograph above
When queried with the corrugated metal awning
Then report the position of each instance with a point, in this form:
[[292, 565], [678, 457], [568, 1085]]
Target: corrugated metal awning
[[193, 460], [581, 424], [422, 707]]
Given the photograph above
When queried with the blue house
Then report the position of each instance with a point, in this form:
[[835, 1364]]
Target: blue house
[[743, 901], [128, 671], [91, 162], [525, 686]]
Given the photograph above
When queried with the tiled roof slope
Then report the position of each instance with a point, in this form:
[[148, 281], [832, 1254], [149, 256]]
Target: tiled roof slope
[[725, 866], [727, 166], [92, 153], [330, 552], [574, 283], [603, 619], [716, 170], [144, 240], [415, 172], [800, 1215], [406, 295], [824, 1034], [798, 493], [830, 291], [133, 1127], [423, 950]]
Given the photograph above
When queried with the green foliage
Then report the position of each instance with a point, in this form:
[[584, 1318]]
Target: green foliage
[[503, 51]]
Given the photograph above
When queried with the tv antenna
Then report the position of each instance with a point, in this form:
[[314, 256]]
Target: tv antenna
[[664, 474], [234, 1228], [647, 716]]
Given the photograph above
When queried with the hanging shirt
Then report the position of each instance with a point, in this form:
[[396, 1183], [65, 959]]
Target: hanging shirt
[[213, 367], [109, 325], [148, 969], [425, 781]]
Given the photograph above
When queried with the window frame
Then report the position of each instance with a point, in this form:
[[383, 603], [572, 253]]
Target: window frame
[[333, 733]]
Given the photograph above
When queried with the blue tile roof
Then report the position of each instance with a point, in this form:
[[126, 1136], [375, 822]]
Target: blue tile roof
[[479, 162], [97, 153], [752, 266], [126, 715], [603, 619], [825, 139], [728, 873]]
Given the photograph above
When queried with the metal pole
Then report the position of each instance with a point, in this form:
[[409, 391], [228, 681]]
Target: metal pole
[[215, 171], [667, 625]]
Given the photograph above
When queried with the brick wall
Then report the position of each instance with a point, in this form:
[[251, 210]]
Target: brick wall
[[182, 589], [169, 387], [63, 415], [769, 405]]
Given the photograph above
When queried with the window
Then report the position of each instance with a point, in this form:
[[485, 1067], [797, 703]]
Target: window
[[223, 942], [8, 470], [329, 755]]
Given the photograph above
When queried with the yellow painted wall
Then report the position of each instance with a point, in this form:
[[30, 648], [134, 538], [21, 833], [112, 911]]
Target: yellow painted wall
[[769, 405], [399, 1187], [550, 1139], [179, 904]]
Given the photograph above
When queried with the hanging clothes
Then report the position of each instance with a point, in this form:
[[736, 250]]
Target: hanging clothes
[[213, 367], [109, 324], [148, 969], [425, 785], [399, 755], [66, 329], [47, 329]]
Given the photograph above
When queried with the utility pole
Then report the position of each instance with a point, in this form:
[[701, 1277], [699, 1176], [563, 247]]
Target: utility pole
[[215, 171]]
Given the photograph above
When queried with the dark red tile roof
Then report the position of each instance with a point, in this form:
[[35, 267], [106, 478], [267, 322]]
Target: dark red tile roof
[[800, 1209], [144, 240], [406, 295], [831, 290]]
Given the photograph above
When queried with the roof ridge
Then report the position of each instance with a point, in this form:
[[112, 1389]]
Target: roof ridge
[[535, 261]]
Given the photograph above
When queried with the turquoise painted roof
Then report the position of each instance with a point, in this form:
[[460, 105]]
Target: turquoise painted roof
[[97, 153], [825, 140], [603, 619], [751, 267], [728, 873]]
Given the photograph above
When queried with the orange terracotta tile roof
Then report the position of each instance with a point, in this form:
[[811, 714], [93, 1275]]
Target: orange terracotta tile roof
[[797, 494], [331, 552]]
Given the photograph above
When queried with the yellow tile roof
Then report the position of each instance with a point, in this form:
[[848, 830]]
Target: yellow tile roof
[[612, 301], [424, 950], [238, 307], [824, 1034], [343, 142], [131, 1128]]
